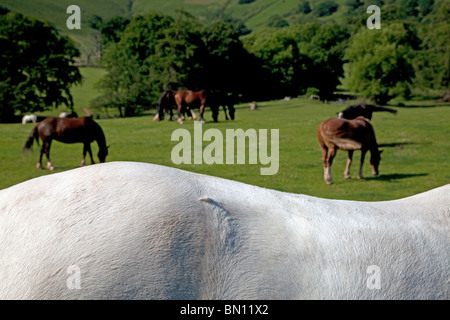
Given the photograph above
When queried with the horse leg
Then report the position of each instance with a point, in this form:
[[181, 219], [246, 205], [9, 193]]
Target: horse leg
[[225, 110], [47, 153], [202, 109], [39, 164], [360, 173], [215, 113], [327, 166], [86, 149], [179, 109], [191, 114], [349, 163]]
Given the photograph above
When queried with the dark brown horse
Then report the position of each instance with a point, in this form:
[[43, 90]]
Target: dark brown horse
[[165, 104], [217, 98], [350, 135], [68, 130], [362, 110]]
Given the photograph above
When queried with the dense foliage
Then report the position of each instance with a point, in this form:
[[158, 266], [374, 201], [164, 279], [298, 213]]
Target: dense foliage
[[313, 53], [36, 66]]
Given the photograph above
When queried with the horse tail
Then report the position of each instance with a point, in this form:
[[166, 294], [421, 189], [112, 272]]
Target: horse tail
[[33, 135]]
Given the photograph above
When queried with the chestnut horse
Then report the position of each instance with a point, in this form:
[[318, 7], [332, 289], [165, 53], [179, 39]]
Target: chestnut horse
[[68, 130], [188, 100], [350, 135], [166, 103]]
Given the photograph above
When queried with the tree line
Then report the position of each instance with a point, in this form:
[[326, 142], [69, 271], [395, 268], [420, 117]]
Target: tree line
[[154, 52]]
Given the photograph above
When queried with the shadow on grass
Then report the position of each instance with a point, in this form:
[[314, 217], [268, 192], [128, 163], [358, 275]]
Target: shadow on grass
[[400, 145], [396, 176]]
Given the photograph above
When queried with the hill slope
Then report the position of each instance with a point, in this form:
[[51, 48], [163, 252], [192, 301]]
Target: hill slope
[[256, 14]]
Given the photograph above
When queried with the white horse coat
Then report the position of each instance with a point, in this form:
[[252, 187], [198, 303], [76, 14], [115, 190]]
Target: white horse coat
[[142, 231]]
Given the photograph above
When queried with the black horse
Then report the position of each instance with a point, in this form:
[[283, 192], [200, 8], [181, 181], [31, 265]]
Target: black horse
[[362, 110], [219, 98], [68, 130]]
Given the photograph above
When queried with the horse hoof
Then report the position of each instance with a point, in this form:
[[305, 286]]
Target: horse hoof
[[180, 121], [39, 166], [328, 182]]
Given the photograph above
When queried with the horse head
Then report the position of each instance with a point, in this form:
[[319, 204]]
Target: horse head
[[102, 153], [375, 158], [166, 101]]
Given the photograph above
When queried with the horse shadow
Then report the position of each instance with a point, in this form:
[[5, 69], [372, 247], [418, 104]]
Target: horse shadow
[[399, 145], [397, 176]]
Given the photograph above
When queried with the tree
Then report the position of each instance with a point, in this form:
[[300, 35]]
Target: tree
[[156, 53], [128, 85], [327, 8], [381, 62], [112, 29], [304, 7], [432, 64], [223, 58], [425, 7], [353, 4], [282, 66], [324, 45], [276, 21], [36, 66]]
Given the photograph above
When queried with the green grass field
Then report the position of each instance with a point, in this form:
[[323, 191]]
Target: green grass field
[[415, 158]]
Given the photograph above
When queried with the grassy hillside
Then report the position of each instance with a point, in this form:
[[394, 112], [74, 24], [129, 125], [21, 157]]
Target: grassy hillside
[[255, 15], [55, 12]]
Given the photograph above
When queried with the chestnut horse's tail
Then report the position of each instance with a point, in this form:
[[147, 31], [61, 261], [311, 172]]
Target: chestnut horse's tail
[[33, 135]]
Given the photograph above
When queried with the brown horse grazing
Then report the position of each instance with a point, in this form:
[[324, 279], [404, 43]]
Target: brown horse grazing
[[188, 100], [166, 103], [362, 110], [68, 130], [347, 135]]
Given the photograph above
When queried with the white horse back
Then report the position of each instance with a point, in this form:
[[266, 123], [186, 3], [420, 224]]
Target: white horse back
[[140, 231]]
